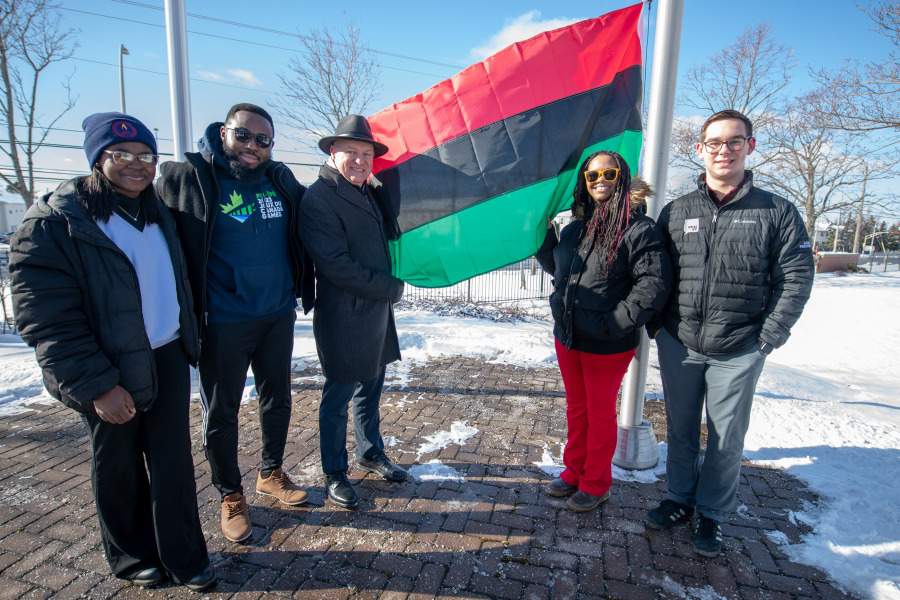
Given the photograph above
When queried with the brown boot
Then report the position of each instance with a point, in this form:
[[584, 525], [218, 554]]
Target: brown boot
[[236, 518], [280, 486]]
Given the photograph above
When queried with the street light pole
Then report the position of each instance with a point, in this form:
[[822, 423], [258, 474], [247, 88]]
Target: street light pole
[[122, 51]]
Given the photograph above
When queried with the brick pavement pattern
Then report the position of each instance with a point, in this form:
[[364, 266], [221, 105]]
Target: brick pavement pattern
[[492, 533]]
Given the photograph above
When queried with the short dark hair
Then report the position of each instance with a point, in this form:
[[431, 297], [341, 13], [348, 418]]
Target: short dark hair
[[723, 115], [250, 108]]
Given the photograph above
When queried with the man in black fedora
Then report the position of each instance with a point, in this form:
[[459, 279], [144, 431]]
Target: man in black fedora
[[345, 225]]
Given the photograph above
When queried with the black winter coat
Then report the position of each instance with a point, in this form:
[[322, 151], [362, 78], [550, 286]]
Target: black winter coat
[[354, 318], [742, 272], [599, 312], [190, 190], [77, 302]]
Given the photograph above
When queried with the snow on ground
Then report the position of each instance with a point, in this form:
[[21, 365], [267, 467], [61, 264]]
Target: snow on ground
[[827, 410]]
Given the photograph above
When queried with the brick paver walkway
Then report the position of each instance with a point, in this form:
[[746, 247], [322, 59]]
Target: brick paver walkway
[[491, 534]]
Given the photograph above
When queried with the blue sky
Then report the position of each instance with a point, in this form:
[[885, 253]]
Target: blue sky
[[231, 63]]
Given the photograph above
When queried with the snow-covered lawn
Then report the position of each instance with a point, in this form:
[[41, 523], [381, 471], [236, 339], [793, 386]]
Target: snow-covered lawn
[[827, 410]]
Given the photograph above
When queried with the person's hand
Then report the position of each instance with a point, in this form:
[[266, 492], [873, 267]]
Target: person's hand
[[549, 223], [115, 406]]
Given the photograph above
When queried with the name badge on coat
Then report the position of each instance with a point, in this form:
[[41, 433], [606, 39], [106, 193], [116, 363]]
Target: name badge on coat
[[691, 225]]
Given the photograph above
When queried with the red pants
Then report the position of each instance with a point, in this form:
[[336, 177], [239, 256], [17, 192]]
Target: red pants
[[592, 382]]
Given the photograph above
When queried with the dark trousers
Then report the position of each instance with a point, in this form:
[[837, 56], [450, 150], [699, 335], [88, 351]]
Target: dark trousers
[[228, 350], [150, 522], [336, 398]]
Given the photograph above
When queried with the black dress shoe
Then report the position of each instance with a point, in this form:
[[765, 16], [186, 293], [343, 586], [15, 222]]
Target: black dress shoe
[[203, 580], [148, 577], [339, 491], [381, 465]]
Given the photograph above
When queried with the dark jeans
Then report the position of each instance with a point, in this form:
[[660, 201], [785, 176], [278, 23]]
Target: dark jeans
[[336, 398], [228, 350], [150, 521]]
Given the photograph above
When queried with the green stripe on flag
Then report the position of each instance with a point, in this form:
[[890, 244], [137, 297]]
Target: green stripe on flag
[[494, 233]]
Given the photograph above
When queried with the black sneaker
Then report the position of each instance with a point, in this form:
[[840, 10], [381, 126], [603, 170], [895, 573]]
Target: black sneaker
[[668, 514], [708, 537]]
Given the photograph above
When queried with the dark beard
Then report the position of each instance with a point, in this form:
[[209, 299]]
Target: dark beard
[[239, 168]]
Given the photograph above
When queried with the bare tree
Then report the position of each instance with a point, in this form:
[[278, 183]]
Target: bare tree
[[812, 164], [31, 39], [866, 97], [335, 74], [749, 76]]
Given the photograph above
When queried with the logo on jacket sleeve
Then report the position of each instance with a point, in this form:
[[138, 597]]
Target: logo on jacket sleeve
[[236, 208], [691, 225]]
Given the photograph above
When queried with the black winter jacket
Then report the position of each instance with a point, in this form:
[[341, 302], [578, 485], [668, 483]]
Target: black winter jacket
[[603, 313], [77, 302], [190, 190], [743, 272], [354, 318]]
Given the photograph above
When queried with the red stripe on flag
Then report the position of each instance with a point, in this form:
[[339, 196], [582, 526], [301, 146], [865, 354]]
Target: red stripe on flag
[[550, 66]]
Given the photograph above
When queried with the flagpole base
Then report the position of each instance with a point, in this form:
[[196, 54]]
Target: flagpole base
[[636, 447]]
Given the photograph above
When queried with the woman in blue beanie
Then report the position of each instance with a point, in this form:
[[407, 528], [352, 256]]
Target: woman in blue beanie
[[100, 291]]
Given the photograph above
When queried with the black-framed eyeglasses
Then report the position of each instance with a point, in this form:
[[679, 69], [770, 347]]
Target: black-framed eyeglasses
[[120, 157], [734, 145], [609, 175], [245, 135]]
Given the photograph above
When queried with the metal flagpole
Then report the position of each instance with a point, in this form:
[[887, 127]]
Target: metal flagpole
[[179, 84], [122, 52], [637, 447]]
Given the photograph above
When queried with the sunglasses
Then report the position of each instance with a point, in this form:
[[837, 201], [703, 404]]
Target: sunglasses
[[609, 175], [120, 157], [245, 135]]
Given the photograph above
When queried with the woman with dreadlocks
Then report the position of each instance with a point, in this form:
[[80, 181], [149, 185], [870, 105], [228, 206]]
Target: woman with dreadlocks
[[611, 275]]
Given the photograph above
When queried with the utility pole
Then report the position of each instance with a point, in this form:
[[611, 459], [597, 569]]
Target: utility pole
[[122, 52], [859, 218]]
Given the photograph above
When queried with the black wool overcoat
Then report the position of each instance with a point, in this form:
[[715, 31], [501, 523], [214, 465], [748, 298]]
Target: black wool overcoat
[[347, 236]]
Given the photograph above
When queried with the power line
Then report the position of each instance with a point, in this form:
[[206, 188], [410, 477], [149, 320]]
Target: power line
[[281, 32], [253, 43]]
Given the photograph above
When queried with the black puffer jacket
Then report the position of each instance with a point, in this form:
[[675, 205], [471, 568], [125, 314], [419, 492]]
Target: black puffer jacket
[[603, 313], [190, 190], [77, 302], [742, 272]]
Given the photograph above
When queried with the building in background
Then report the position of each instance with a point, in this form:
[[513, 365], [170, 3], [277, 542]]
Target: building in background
[[12, 211]]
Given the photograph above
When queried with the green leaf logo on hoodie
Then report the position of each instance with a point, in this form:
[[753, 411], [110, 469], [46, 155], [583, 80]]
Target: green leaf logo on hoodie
[[236, 209]]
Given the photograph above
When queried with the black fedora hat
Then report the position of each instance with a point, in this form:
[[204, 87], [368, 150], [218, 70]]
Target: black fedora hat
[[352, 127]]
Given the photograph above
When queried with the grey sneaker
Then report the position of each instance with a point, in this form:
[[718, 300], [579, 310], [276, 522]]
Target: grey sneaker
[[583, 502], [560, 487], [668, 514], [708, 537]]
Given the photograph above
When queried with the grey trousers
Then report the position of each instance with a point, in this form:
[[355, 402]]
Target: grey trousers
[[727, 383]]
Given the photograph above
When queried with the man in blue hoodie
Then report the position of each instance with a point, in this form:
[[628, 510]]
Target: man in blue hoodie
[[237, 215]]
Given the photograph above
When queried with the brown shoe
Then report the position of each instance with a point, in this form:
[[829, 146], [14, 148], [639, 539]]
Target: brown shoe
[[279, 485], [236, 518]]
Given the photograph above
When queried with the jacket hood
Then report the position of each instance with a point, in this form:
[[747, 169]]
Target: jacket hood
[[211, 142]]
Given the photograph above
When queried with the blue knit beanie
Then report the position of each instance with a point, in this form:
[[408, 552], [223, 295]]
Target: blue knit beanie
[[102, 130]]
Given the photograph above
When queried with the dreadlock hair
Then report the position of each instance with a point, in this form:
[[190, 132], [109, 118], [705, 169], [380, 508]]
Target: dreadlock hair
[[100, 198], [605, 222]]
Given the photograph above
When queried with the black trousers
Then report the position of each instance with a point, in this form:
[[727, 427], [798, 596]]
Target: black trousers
[[148, 515], [228, 350]]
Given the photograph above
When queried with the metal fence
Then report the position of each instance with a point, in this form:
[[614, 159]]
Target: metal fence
[[524, 280], [6, 313]]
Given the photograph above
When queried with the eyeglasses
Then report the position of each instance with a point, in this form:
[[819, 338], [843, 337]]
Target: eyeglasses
[[733, 145], [245, 135], [120, 157], [609, 175]]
